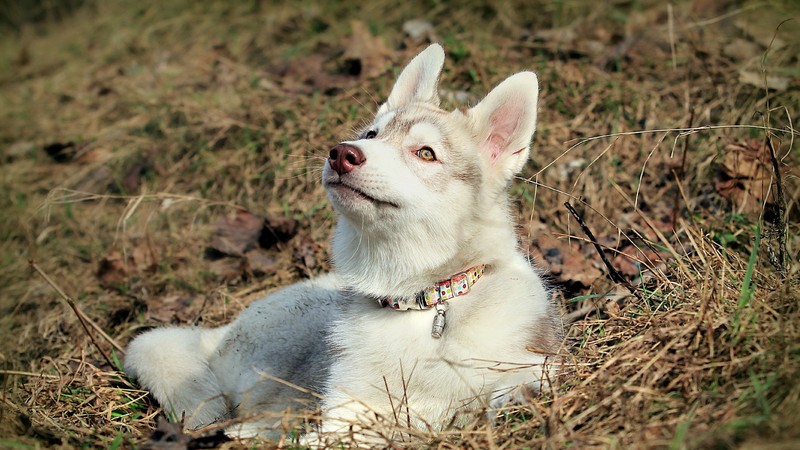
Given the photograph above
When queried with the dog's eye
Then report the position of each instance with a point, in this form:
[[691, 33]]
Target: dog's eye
[[426, 153], [370, 134]]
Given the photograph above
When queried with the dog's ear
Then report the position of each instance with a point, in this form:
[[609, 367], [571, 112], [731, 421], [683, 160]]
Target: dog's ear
[[505, 121], [417, 82]]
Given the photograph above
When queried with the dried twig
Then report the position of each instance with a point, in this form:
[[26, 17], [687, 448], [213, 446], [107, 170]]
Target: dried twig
[[85, 321], [612, 272], [29, 374], [778, 220], [679, 175], [583, 311]]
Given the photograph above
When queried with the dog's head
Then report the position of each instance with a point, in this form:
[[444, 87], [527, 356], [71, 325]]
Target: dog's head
[[416, 184]]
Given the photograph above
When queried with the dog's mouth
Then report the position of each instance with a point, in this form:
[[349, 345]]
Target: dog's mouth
[[338, 184]]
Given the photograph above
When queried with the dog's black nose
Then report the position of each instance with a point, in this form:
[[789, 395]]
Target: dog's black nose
[[345, 157]]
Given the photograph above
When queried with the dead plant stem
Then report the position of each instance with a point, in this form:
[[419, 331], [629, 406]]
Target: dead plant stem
[[85, 321], [778, 222], [679, 175], [612, 272]]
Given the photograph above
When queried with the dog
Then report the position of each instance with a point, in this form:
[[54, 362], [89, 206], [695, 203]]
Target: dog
[[431, 312]]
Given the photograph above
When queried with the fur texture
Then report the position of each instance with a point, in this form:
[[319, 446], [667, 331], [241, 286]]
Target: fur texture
[[422, 195]]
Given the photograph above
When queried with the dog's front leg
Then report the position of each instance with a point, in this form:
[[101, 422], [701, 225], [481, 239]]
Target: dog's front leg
[[346, 421], [516, 388]]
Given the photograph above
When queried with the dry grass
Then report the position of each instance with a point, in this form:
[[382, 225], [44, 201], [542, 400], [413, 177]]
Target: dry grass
[[183, 112]]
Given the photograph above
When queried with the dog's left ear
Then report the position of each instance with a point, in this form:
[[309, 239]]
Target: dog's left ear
[[418, 81], [505, 121]]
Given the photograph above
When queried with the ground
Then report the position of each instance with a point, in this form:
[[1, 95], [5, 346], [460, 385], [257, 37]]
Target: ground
[[160, 164]]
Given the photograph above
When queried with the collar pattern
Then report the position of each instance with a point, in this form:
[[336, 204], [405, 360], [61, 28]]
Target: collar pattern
[[455, 286]]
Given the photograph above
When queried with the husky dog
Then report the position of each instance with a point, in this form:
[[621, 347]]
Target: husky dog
[[431, 311]]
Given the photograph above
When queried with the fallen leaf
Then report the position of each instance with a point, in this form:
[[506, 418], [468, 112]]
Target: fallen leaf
[[306, 74], [112, 270], [237, 233], [244, 236], [228, 269], [563, 260], [774, 82], [612, 308], [259, 262], [633, 263], [277, 229], [132, 179], [115, 269], [176, 309], [745, 175], [742, 50], [366, 55], [760, 26]]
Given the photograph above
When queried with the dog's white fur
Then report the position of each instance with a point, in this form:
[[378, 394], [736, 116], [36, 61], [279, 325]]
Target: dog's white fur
[[405, 223]]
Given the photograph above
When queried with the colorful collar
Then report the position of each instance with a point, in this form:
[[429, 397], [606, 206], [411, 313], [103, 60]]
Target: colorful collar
[[436, 295], [455, 286]]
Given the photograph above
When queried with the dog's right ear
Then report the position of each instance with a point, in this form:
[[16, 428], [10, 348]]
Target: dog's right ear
[[418, 81]]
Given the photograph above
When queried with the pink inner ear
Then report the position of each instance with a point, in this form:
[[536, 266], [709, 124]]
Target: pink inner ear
[[503, 123], [496, 146]]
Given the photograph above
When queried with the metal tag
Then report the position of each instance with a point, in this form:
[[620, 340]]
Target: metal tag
[[438, 323]]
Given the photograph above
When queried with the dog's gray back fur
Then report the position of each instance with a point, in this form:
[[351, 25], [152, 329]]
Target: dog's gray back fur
[[273, 358], [283, 339]]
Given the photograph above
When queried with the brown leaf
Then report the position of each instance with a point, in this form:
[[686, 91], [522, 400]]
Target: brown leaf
[[175, 309], [258, 261], [141, 257], [612, 308], [236, 234], [742, 50], [228, 269], [366, 55], [760, 26], [277, 229], [298, 75], [745, 175], [774, 82], [306, 74], [632, 262], [112, 270], [626, 265], [115, 269], [564, 261], [133, 177]]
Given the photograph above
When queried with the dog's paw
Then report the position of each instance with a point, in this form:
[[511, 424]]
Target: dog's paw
[[253, 431], [351, 439], [312, 440]]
